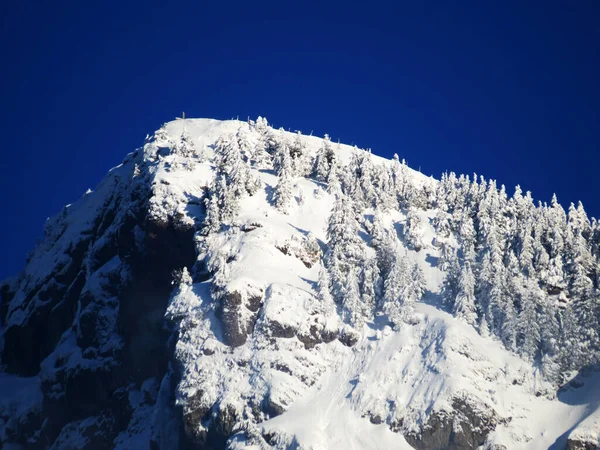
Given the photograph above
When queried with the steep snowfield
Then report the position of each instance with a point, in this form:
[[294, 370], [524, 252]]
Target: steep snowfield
[[418, 370], [277, 380], [387, 375]]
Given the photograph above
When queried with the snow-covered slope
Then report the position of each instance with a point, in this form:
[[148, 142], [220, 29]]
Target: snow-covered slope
[[102, 349]]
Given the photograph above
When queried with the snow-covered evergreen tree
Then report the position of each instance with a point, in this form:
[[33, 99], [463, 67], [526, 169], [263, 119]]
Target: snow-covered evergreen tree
[[326, 305], [369, 286], [230, 162], [385, 198], [214, 202], [324, 160], [450, 288], [415, 290], [262, 154], [351, 302], [403, 286], [570, 353], [333, 183], [233, 180], [344, 257], [185, 145], [384, 242], [401, 181], [393, 289], [464, 304], [527, 322], [219, 267], [283, 195], [245, 143], [300, 160], [162, 136], [467, 239], [413, 230]]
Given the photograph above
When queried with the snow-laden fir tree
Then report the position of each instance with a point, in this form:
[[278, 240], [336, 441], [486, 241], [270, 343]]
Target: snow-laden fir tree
[[403, 286], [378, 229], [232, 181], [385, 198], [218, 266], [416, 288], [384, 242], [510, 292], [393, 288], [300, 158], [326, 305], [324, 160], [162, 136], [360, 182], [369, 285], [214, 203], [527, 322], [229, 161], [353, 309], [450, 287], [464, 304], [554, 240], [262, 154], [402, 182], [367, 173], [334, 187], [467, 238], [442, 226], [283, 194], [245, 143], [413, 230], [569, 350], [344, 258], [185, 145]]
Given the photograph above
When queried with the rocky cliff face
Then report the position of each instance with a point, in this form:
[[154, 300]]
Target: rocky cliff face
[[85, 318], [131, 327]]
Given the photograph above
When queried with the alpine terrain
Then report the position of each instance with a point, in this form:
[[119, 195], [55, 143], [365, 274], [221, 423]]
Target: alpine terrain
[[234, 286]]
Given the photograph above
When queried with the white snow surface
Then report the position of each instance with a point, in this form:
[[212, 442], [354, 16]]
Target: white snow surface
[[328, 392], [332, 389]]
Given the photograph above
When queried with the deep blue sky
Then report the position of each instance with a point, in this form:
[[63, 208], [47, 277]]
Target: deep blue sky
[[510, 90]]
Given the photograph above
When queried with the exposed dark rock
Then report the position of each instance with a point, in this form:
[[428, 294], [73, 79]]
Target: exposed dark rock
[[97, 432], [579, 444], [280, 330], [253, 302], [247, 227], [396, 425], [207, 428], [312, 338], [119, 328], [348, 337], [7, 293], [195, 412], [328, 336], [26, 345], [465, 428], [281, 368], [375, 419], [20, 429], [237, 323], [271, 407], [307, 254]]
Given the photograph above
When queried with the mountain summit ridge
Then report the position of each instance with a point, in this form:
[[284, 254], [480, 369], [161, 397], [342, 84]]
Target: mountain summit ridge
[[230, 285]]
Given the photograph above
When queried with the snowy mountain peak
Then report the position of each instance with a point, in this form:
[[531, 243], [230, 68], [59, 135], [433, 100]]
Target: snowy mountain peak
[[230, 285]]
